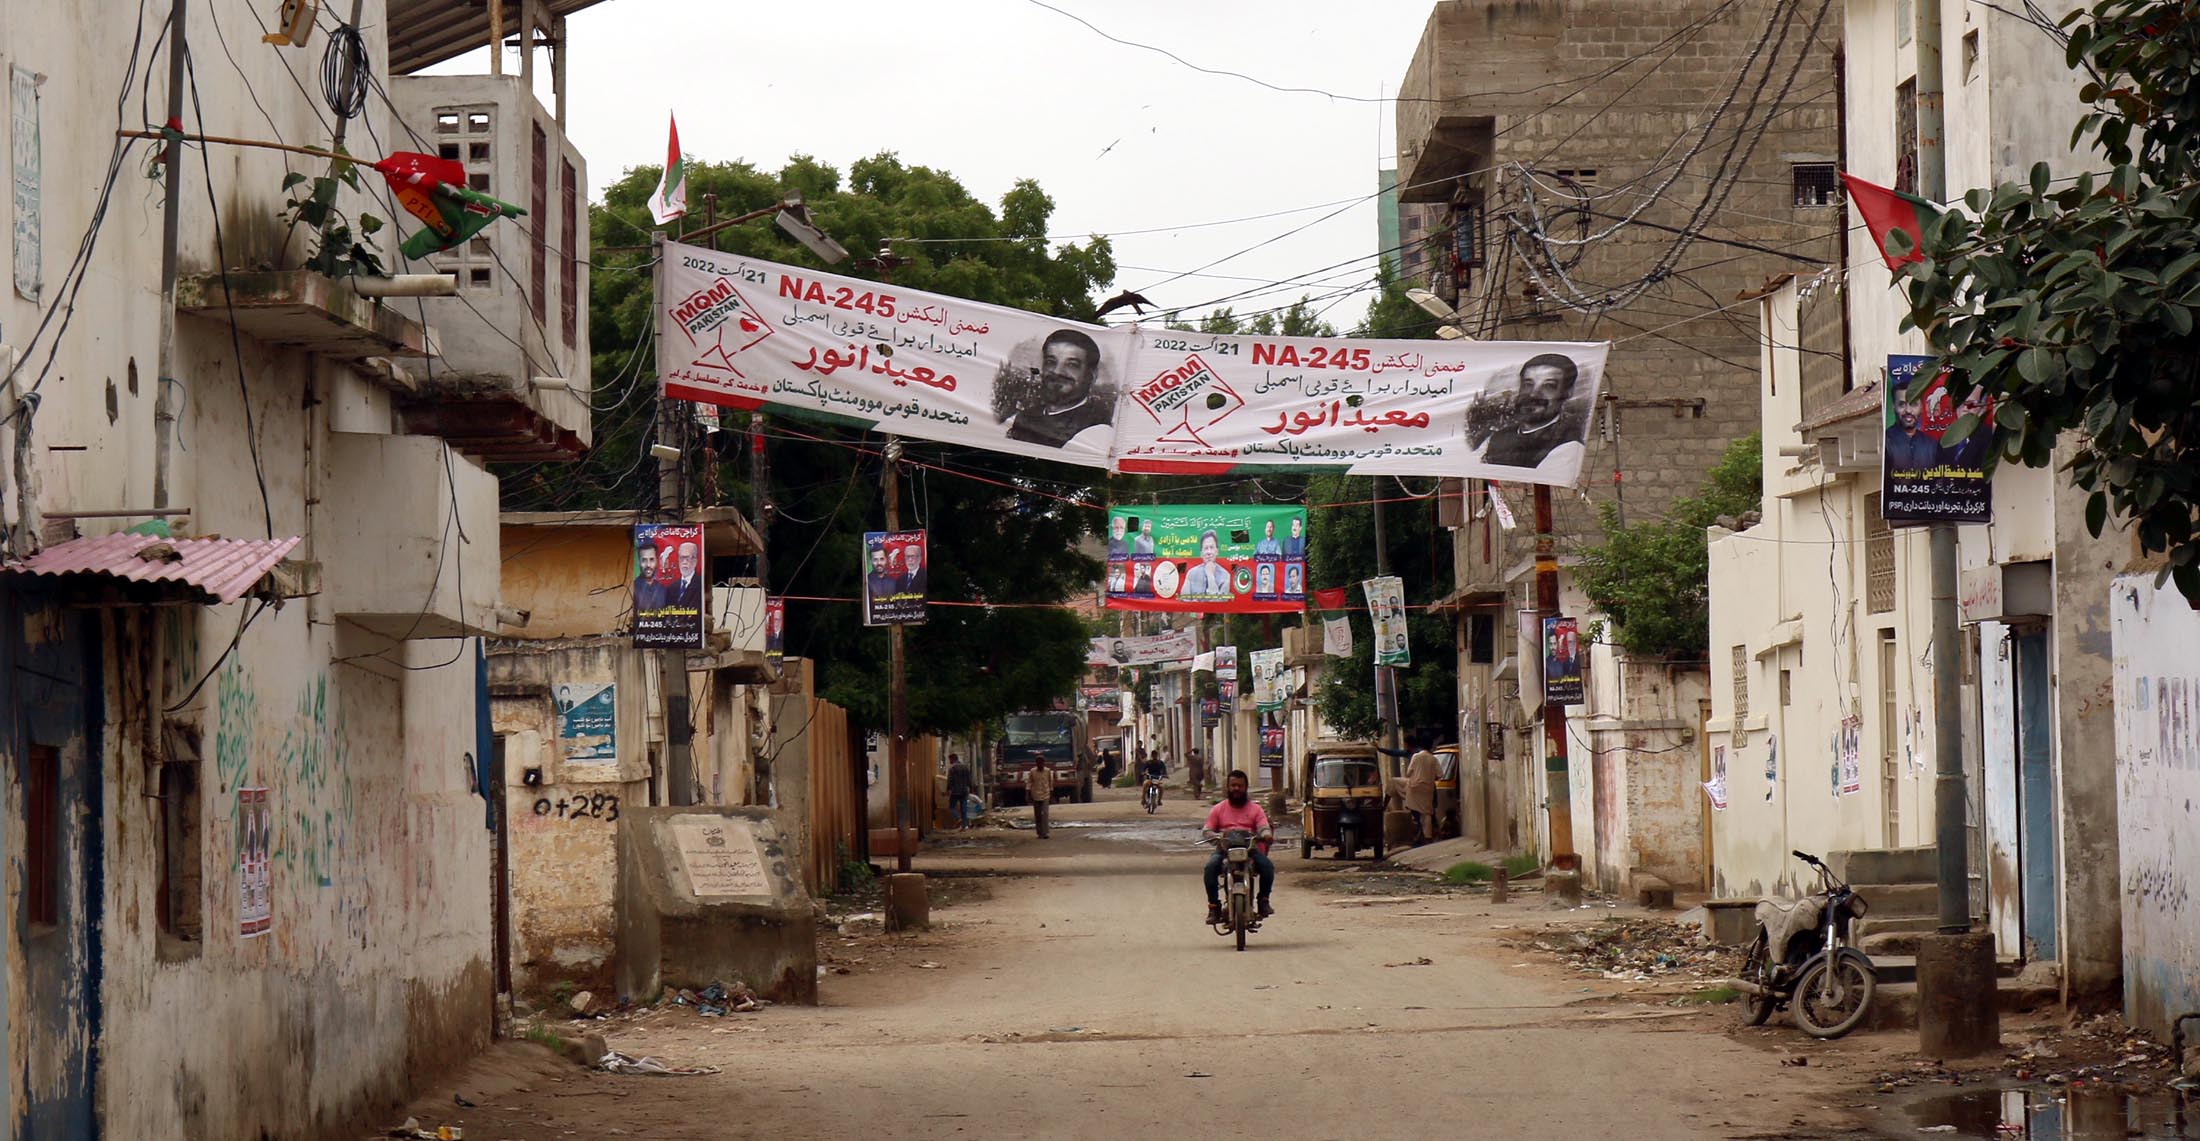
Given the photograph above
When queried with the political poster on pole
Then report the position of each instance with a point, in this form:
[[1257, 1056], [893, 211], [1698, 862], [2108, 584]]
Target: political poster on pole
[[1145, 650], [1337, 636], [1271, 746], [893, 578], [1927, 475], [1562, 680], [1226, 665], [1208, 559], [1226, 694], [668, 586], [1386, 604], [775, 631], [1268, 695]]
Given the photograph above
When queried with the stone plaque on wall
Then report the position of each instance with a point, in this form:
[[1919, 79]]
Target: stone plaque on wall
[[720, 857]]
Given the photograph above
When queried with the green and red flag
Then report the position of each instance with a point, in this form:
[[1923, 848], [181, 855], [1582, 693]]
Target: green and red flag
[[670, 199], [434, 190], [1887, 210]]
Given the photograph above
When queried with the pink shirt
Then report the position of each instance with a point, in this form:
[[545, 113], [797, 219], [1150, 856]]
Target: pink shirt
[[1225, 816]]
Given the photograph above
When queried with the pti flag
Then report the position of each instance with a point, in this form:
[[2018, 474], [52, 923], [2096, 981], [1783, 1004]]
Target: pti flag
[[1230, 559], [434, 190], [670, 199], [1887, 212]]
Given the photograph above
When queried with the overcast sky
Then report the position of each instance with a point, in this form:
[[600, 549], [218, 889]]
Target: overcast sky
[[996, 90]]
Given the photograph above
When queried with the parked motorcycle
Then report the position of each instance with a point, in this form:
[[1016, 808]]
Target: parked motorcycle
[[1238, 915], [1805, 959], [1152, 797]]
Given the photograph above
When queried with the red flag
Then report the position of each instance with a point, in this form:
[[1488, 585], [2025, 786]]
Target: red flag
[[1331, 599], [1885, 211]]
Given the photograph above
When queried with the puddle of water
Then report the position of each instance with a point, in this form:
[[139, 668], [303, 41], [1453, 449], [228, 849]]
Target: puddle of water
[[2052, 1114]]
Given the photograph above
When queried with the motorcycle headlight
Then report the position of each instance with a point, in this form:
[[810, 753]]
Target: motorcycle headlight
[[1857, 906]]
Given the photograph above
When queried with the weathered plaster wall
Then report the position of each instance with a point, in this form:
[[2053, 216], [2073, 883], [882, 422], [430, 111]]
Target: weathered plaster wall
[[2157, 714]]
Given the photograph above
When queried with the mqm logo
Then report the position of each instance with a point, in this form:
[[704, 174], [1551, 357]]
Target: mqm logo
[[1187, 399], [717, 315]]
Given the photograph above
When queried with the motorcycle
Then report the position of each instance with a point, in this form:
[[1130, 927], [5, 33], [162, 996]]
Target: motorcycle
[[1238, 915], [1805, 959], [1152, 796]]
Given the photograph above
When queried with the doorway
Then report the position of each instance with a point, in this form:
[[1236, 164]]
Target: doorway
[[2035, 783], [500, 889]]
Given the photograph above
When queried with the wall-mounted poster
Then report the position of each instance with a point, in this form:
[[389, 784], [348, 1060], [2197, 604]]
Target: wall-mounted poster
[[1562, 661], [775, 631], [1926, 474], [1715, 788], [893, 577], [668, 586], [255, 874], [588, 721], [1267, 666], [1223, 559]]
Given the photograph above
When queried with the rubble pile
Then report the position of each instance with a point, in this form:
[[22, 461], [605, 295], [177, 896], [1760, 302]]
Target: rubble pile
[[1638, 950]]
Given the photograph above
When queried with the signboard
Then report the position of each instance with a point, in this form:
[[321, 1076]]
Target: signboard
[[588, 720], [1562, 661], [775, 631], [1207, 559], [1099, 699], [1271, 746], [893, 577], [720, 857], [1267, 666], [255, 869], [1226, 694], [1210, 712], [1386, 604], [1924, 478], [1171, 646], [668, 586], [745, 333], [1207, 404], [1225, 662]]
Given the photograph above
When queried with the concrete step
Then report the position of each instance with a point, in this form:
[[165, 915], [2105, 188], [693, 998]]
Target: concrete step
[[1875, 924], [1886, 865], [1900, 898], [1894, 1004]]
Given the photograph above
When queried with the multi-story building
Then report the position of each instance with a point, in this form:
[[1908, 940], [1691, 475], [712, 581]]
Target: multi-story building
[[249, 564], [1610, 170]]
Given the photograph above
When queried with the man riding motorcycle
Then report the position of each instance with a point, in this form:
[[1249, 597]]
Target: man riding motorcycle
[[1238, 810], [1151, 771]]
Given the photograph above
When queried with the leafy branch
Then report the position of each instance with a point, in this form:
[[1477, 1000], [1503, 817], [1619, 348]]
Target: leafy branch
[[337, 252]]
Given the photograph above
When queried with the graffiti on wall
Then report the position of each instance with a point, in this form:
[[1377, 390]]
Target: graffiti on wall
[[2157, 704]]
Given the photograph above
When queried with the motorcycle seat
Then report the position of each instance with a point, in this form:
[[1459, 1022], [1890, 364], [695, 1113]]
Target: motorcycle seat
[[1783, 919]]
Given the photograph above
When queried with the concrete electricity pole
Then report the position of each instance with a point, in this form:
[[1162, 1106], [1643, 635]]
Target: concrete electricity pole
[[1557, 781], [897, 682]]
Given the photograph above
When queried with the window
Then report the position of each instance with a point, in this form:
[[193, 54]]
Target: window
[[1905, 137], [42, 835], [481, 276], [477, 121], [446, 121], [448, 151], [477, 152], [1878, 558], [1904, 21], [1816, 184], [479, 247], [539, 279], [1787, 688], [1482, 638], [569, 236], [1739, 658], [180, 911], [478, 180]]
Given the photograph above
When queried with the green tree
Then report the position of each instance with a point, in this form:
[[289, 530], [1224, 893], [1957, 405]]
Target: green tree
[[1341, 552], [1653, 578], [1393, 315], [2073, 304], [1010, 545]]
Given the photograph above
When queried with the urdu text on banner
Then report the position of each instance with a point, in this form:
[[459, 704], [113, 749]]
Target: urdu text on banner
[[744, 333]]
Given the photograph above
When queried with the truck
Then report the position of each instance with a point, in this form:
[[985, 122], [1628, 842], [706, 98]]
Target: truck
[[1054, 738]]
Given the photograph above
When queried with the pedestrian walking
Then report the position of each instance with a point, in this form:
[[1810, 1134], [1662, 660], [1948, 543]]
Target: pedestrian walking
[[1039, 788], [1196, 766], [1421, 772], [958, 789]]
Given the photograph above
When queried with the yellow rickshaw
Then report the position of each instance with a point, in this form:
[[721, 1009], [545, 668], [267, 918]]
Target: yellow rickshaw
[[1342, 784]]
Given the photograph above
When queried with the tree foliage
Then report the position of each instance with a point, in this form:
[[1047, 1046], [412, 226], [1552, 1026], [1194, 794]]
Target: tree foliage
[[1654, 578], [2073, 304], [1010, 542]]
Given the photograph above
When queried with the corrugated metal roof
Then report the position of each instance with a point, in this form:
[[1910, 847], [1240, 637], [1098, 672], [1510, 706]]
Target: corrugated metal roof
[[427, 32], [201, 570], [1857, 402]]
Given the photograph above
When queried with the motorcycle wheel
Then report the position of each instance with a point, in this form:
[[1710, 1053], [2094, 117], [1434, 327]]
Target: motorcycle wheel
[[1756, 1007], [1239, 920], [1831, 1016]]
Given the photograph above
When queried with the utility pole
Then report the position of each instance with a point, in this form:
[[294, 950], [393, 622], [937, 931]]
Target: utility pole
[[897, 683], [1557, 781], [1956, 1016], [1386, 681], [164, 408], [680, 781]]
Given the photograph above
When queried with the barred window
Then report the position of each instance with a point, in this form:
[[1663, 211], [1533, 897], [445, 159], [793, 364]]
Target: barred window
[[1816, 184], [1878, 558]]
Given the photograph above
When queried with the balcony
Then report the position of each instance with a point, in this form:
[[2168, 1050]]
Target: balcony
[[300, 308], [412, 548]]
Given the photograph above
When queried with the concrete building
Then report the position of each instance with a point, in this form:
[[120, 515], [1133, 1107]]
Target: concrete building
[[245, 817], [567, 774], [1564, 147], [1821, 638]]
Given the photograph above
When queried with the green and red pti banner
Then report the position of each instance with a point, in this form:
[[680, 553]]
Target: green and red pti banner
[[1213, 559]]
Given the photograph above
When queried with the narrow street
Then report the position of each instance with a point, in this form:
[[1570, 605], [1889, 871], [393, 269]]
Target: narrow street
[[1068, 989]]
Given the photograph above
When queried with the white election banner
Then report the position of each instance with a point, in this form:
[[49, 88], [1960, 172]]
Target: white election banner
[[1177, 645], [743, 332], [1337, 637], [1197, 403], [1386, 604]]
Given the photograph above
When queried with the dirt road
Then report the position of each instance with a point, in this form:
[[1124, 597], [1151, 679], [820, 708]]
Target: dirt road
[[1069, 990]]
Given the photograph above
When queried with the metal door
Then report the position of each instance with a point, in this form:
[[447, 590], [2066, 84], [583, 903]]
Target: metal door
[[49, 680], [2036, 792]]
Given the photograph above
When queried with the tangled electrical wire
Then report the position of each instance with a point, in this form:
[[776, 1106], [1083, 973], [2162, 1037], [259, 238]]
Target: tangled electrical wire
[[347, 72]]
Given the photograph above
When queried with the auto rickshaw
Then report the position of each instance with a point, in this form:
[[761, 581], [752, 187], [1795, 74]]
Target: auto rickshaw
[[1448, 823], [1343, 786]]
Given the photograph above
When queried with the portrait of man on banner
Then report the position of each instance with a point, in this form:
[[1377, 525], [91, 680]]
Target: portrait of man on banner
[[1542, 420], [668, 586], [775, 630], [1056, 393], [1927, 474], [894, 578], [1210, 558], [1562, 673]]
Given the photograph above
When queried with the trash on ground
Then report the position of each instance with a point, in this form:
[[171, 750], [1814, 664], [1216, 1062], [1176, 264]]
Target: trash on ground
[[617, 1063]]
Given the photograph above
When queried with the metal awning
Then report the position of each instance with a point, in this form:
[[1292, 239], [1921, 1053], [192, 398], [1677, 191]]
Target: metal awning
[[132, 568], [427, 32]]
